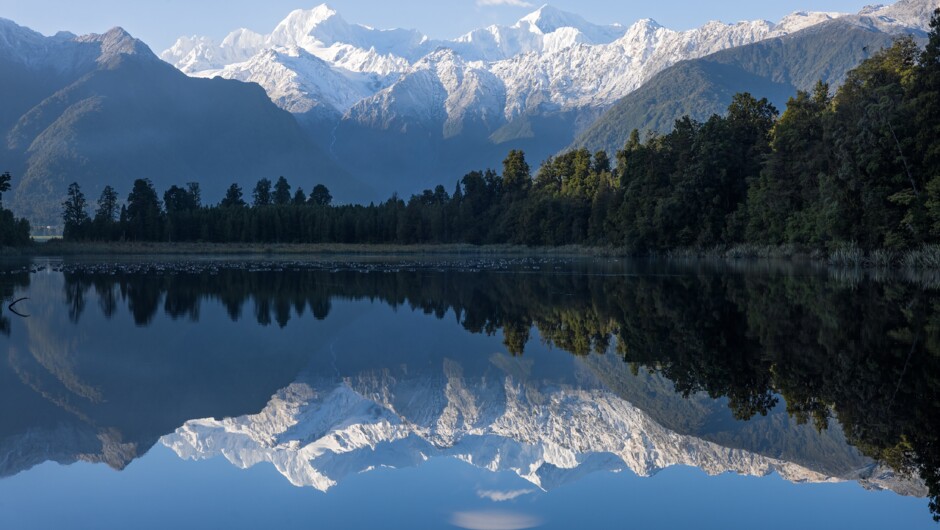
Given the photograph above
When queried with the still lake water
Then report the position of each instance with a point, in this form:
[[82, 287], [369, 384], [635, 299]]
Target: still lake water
[[465, 393]]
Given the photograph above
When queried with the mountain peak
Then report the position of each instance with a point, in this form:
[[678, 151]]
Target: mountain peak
[[310, 17], [115, 44], [549, 19]]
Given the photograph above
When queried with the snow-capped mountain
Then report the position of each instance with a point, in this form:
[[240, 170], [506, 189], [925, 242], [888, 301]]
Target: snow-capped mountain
[[545, 30], [548, 60], [533, 85], [904, 13], [317, 431]]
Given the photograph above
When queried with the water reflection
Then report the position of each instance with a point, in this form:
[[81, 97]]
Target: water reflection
[[833, 375]]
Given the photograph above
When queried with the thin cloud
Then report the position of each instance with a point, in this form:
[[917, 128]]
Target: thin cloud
[[503, 496], [494, 521], [513, 3]]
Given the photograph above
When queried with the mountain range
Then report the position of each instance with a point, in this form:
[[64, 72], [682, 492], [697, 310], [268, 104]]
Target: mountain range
[[369, 112], [320, 430], [425, 110]]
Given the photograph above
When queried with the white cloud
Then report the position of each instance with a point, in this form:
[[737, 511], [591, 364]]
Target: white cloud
[[513, 3], [494, 521], [503, 496]]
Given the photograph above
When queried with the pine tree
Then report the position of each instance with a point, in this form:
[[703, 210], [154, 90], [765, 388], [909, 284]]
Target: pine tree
[[107, 205], [262, 194], [300, 198], [5, 179], [74, 214], [143, 212], [233, 197], [281, 192], [320, 196], [517, 177]]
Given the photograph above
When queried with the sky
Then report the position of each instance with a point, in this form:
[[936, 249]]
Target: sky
[[160, 22]]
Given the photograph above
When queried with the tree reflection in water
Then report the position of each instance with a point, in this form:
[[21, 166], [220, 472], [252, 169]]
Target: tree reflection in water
[[862, 350]]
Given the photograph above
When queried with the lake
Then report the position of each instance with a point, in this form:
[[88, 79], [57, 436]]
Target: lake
[[466, 392]]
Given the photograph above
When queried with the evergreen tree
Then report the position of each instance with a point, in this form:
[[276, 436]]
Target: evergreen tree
[[143, 215], [262, 194], [103, 225], [517, 177], [5, 179], [320, 196], [877, 199], [233, 197], [13, 231], [926, 106], [195, 194], [107, 206], [74, 214], [282, 194], [300, 198], [601, 162]]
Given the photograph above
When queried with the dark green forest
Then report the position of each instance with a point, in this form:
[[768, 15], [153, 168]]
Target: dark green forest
[[851, 348], [860, 167], [13, 232]]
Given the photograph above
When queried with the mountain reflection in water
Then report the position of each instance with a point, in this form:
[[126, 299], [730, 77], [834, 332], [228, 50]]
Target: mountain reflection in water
[[814, 375]]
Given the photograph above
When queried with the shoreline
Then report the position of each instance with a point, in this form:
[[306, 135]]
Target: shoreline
[[845, 256], [91, 249]]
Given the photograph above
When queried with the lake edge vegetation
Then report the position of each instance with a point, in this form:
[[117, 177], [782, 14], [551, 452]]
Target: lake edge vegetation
[[14, 232]]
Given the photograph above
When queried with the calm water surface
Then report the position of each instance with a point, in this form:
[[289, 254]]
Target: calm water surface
[[466, 393]]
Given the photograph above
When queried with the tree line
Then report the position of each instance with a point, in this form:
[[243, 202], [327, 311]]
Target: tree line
[[13, 232], [858, 166]]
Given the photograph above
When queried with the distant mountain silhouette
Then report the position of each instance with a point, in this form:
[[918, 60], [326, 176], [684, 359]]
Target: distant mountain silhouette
[[103, 109]]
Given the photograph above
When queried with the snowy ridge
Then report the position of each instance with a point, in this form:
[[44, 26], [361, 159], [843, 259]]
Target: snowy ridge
[[318, 431], [904, 13], [548, 61]]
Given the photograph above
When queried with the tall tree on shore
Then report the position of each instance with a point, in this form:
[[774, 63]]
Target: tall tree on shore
[[5, 179], [143, 212], [927, 121], [233, 197], [105, 216], [281, 192], [300, 198], [13, 231], [107, 205], [517, 177], [74, 213], [262, 194], [320, 196]]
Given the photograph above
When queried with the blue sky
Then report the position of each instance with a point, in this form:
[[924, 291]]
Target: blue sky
[[159, 22]]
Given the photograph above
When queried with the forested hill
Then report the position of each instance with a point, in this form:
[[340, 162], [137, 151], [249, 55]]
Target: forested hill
[[87, 108], [774, 69]]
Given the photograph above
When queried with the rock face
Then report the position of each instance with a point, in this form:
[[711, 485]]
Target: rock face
[[426, 111], [318, 431], [103, 109]]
